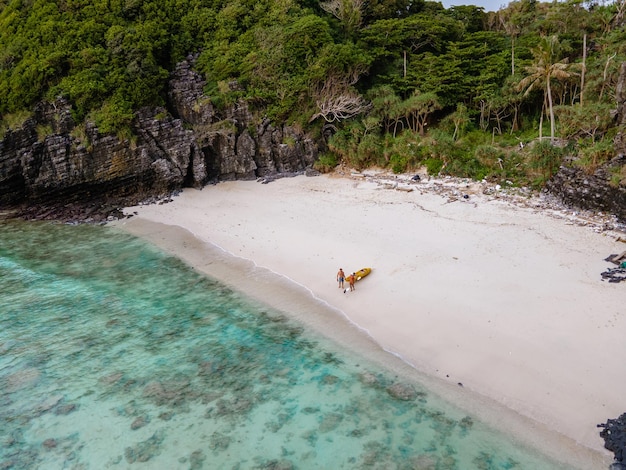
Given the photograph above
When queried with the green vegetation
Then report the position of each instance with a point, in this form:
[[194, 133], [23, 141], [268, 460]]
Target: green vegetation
[[326, 162], [405, 83]]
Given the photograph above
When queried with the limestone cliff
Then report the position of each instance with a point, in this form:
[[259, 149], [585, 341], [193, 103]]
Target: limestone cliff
[[188, 144]]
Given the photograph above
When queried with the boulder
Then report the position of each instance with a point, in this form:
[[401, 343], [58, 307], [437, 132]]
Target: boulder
[[614, 435]]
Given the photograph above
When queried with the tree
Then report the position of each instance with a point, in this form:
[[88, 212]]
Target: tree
[[383, 9], [349, 12], [546, 66], [333, 75], [386, 106], [418, 108], [460, 118], [337, 101], [514, 19], [394, 43], [588, 121], [620, 9], [471, 16]]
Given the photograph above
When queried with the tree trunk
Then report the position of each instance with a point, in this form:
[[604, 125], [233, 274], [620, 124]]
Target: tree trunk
[[584, 66], [549, 92], [404, 64], [515, 125], [512, 55], [606, 68], [543, 107]]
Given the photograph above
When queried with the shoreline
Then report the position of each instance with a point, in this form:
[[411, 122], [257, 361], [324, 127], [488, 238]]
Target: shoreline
[[471, 310]]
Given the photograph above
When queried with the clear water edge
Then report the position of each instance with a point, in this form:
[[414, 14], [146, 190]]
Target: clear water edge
[[114, 355]]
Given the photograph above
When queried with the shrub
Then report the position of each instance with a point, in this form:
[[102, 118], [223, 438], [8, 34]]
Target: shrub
[[398, 164], [13, 121], [545, 159], [289, 141], [367, 151], [489, 156], [44, 131], [466, 165], [618, 177], [594, 155], [113, 116], [475, 138], [433, 165], [325, 163]]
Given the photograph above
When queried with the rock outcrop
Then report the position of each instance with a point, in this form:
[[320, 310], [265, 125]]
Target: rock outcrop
[[614, 435], [188, 144], [77, 165], [235, 143], [604, 189], [600, 191]]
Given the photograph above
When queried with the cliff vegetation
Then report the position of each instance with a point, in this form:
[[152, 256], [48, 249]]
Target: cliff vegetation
[[512, 95]]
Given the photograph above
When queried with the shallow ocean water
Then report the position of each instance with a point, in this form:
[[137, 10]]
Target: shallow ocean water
[[114, 354]]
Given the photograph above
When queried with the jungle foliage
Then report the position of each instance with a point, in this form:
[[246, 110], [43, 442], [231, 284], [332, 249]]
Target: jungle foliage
[[401, 83]]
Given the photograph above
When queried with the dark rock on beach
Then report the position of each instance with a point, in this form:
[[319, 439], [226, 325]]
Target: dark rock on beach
[[576, 188], [617, 274], [596, 191], [614, 435]]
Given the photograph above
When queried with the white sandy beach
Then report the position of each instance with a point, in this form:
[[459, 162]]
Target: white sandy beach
[[506, 300]]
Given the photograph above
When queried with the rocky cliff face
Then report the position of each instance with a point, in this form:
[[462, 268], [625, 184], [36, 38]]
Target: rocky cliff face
[[235, 143], [70, 166], [604, 189], [189, 144]]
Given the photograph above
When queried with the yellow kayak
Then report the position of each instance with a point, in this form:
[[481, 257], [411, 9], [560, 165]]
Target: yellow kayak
[[361, 273]]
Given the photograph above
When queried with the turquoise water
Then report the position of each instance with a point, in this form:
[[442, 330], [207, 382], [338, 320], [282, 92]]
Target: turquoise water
[[116, 355]]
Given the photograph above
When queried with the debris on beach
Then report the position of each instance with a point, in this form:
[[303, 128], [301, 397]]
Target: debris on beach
[[466, 190], [614, 275], [617, 274], [617, 259]]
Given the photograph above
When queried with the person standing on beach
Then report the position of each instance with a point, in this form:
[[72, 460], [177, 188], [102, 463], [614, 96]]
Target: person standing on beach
[[352, 280], [341, 277]]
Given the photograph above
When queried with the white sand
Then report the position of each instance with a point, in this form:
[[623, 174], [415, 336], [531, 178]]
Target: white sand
[[504, 299]]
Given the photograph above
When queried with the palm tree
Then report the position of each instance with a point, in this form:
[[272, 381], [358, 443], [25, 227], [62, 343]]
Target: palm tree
[[515, 18], [547, 66]]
